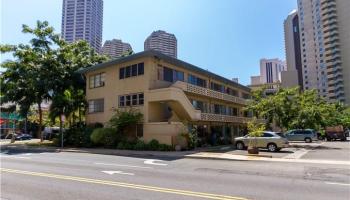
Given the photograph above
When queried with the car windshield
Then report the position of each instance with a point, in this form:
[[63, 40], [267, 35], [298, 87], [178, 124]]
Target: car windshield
[[280, 134]]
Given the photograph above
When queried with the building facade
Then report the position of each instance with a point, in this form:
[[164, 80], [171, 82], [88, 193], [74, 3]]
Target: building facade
[[163, 42], [173, 96], [115, 48], [82, 20], [294, 76], [270, 75], [325, 47]]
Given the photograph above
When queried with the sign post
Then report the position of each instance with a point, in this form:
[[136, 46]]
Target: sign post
[[61, 132]]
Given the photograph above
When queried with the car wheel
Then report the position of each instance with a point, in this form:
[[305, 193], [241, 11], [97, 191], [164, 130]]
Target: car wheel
[[308, 140], [272, 147], [240, 145]]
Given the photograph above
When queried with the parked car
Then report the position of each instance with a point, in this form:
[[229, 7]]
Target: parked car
[[51, 132], [18, 136], [23, 137], [271, 141], [307, 135]]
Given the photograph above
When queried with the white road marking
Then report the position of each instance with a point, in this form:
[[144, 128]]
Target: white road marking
[[21, 157], [334, 183], [117, 172], [119, 165], [297, 155], [153, 162]]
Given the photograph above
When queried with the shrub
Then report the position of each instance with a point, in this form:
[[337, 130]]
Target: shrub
[[165, 147], [107, 137], [122, 120], [121, 145], [78, 136], [140, 145], [153, 145]]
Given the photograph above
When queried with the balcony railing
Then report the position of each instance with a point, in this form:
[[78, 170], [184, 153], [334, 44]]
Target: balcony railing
[[208, 92], [226, 118]]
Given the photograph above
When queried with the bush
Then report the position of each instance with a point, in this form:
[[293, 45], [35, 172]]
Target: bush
[[153, 145], [78, 136], [107, 137], [165, 147], [140, 145]]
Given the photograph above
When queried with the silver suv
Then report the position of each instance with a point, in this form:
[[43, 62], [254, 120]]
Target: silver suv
[[272, 141], [307, 135]]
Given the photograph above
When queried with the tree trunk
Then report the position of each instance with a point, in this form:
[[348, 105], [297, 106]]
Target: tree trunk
[[40, 122]]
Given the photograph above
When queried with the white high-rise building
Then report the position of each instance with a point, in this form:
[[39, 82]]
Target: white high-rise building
[[82, 20], [270, 70], [270, 74], [163, 42], [115, 48]]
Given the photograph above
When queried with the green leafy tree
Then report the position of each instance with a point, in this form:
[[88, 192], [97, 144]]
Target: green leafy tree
[[292, 109], [46, 70], [255, 129], [28, 78]]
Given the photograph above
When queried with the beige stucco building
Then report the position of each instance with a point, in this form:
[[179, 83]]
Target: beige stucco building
[[172, 95]]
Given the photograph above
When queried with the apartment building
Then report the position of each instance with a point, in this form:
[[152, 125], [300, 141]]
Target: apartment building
[[174, 96], [163, 42], [82, 20], [324, 31], [115, 48]]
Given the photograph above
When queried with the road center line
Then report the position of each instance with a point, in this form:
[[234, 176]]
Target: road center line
[[334, 183], [125, 185], [119, 165]]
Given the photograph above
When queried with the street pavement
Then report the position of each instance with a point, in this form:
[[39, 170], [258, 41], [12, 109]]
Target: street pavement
[[64, 175]]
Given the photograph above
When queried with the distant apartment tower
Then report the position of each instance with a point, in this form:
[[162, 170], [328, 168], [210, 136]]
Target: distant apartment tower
[[325, 47], [270, 74], [163, 42], [82, 20], [115, 48], [293, 53]]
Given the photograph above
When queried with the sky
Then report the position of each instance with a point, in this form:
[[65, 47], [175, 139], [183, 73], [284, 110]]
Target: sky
[[227, 37]]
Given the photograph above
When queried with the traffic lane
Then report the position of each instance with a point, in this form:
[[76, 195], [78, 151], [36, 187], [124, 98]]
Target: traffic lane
[[71, 161], [259, 190], [15, 186], [157, 178], [331, 150], [207, 180]]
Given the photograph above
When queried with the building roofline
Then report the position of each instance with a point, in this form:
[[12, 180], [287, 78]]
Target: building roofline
[[171, 60]]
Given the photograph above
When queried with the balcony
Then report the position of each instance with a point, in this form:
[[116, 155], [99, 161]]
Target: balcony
[[226, 118], [209, 93]]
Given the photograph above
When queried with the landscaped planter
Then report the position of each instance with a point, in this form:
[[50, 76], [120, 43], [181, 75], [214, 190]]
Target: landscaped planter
[[253, 150]]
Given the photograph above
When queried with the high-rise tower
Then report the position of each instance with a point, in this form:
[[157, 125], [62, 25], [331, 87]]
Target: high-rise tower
[[82, 20]]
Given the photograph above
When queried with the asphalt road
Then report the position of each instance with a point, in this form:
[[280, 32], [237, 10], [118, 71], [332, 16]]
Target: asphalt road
[[47, 175]]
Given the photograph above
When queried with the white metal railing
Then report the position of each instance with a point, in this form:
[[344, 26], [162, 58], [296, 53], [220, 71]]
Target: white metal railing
[[226, 118], [208, 92]]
